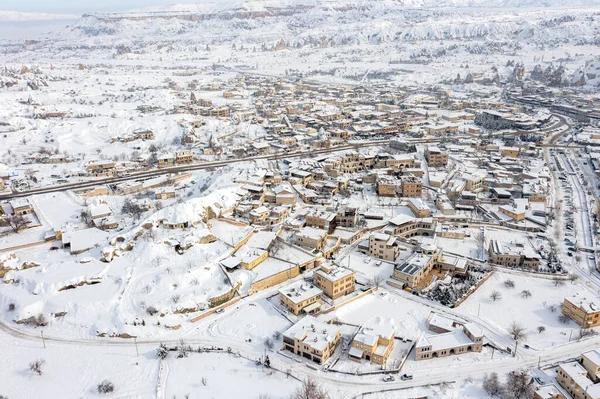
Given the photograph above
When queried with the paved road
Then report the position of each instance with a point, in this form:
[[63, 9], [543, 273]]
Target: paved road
[[187, 168]]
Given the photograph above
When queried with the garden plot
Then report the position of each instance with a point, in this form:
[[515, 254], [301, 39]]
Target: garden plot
[[369, 267], [224, 376], [541, 309], [471, 246], [255, 321], [70, 370], [382, 307]]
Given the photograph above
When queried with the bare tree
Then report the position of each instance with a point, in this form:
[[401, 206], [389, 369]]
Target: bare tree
[[563, 319], [269, 343], [106, 387], [15, 222], [558, 282], [516, 331], [85, 216], [509, 283], [377, 280], [36, 366], [495, 296], [541, 329], [492, 385], [310, 389], [525, 293], [587, 332], [519, 384]]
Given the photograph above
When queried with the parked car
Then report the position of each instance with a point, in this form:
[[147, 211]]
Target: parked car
[[405, 377], [220, 310], [388, 378]]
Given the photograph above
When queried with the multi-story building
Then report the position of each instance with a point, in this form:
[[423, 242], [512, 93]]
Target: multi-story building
[[311, 237], [373, 344], [435, 157], [387, 186], [415, 269], [102, 168], [335, 281], [301, 297], [312, 339], [407, 226], [573, 377], [166, 160], [474, 182], [184, 156], [321, 219], [411, 186], [583, 309], [383, 246], [590, 360], [347, 217]]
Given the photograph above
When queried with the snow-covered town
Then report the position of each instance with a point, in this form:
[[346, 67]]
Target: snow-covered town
[[301, 199]]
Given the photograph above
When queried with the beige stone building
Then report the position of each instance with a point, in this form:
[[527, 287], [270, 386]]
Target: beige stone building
[[102, 168], [411, 186], [509, 151], [464, 339], [311, 237], [417, 267], [435, 157], [335, 281], [513, 254], [383, 246], [373, 344], [573, 378], [301, 297], [144, 134], [21, 206], [419, 208], [312, 339], [321, 219], [184, 156], [590, 360], [474, 182], [407, 226], [583, 309], [387, 186]]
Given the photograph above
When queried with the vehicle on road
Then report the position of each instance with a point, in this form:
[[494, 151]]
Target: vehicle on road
[[405, 377]]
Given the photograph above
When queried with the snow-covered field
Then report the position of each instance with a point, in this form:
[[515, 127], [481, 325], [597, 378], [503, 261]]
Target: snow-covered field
[[542, 308], [222, 375]]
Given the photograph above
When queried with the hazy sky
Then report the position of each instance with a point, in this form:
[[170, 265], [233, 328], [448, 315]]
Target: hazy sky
[[79, 6]]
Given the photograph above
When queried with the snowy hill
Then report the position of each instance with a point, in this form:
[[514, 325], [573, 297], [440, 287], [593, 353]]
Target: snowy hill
[[14, 16]]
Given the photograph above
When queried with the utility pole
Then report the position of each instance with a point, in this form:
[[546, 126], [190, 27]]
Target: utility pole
[[539, 361], [478, 309], [493, 350], [570, 335], [516, 343], [43, 340], [136, 347]]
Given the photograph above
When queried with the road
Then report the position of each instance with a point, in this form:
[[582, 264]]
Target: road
[[187, 168]]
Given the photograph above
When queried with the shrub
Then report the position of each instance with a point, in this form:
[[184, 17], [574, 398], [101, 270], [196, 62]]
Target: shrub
[[106, 387]]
